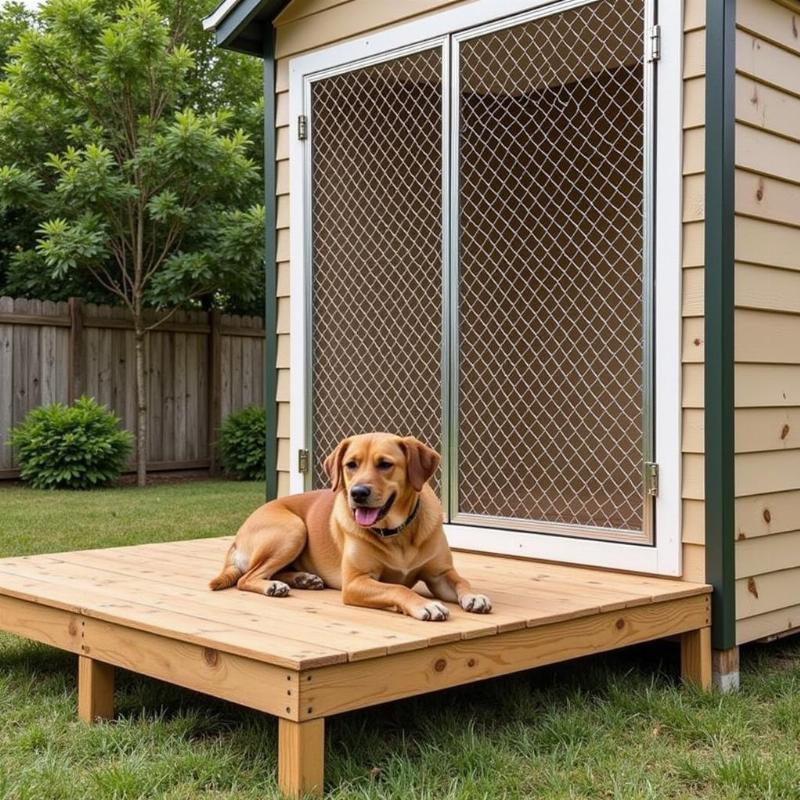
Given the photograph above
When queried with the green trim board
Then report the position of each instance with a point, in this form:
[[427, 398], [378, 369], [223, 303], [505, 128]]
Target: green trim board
[[719, 311]]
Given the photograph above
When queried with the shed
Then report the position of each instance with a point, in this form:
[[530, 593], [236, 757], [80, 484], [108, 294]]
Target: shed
[[560, 240]]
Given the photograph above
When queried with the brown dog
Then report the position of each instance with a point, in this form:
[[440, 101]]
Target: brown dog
[[373, 535]]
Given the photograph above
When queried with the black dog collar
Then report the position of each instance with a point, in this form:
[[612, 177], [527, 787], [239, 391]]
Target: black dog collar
[[388, 533]]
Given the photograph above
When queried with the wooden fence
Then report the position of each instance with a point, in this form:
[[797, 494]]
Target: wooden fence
[[201, 366]]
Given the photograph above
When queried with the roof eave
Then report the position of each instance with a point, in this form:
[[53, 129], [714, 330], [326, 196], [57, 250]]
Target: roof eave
[[239, 24]]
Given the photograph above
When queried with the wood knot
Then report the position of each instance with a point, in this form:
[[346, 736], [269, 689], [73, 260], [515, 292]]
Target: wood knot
[[752, 588], [73, 628], [698, 342], [767, 515], [472, 662], [211, 657], [619, 624], [785, 431], [440, 664]]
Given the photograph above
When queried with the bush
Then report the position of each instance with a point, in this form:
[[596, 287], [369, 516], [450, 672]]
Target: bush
[[71, 447], [242, 440]]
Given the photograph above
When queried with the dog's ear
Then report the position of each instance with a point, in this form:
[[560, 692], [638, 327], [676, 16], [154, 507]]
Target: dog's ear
[[421, 461], [333, 464]]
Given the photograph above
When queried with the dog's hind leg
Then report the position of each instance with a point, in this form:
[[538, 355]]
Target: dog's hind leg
[[280, 547]]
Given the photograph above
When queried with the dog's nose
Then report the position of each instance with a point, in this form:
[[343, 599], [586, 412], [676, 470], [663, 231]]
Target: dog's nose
[[360, 492]]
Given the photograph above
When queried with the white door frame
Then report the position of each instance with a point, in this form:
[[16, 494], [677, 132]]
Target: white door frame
[[665, 556]]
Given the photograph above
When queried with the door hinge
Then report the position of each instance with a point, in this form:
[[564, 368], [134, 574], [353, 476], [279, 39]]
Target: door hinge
[[651, 479], [302, 127], [654, 43], [302, 461]]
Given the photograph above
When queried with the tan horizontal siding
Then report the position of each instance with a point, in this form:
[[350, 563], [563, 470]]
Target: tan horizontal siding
[[767, 514], [771, 21], [768, 592], [767, 154], [763, 472], [694, 15], [760, 336], [692, 308], [756, 429], [766, 625], [773, 66], [755, 385], [694, 155], [694, 521], [768, 243], [767, 198], [756, 287], [692, 375], [304, 8], [756, 473], [694, 562], [767, 107], [767, 554], [767, 317], [346, 20], [759, 385], [694, 54], [693, 292]]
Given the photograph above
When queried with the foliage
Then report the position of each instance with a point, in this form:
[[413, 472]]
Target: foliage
[[71, 447], [139, 187], [130, 150], [242, 439]]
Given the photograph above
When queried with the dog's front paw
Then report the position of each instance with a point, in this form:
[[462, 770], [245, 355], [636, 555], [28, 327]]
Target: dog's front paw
[[276, 589], [475, 603], [431, 612]]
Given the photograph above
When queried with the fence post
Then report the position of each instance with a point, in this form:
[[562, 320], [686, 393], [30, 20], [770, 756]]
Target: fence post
[[75, 386], [214, 387]]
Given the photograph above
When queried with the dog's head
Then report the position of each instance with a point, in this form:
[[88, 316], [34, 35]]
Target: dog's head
[[381, 474]]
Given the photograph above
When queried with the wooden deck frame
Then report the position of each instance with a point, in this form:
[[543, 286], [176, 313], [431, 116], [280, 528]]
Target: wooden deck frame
[[38, 604]]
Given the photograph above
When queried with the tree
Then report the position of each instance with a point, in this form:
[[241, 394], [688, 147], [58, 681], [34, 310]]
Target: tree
[[151, 197]]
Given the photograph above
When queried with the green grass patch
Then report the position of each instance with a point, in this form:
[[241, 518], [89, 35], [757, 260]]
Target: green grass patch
[[617, 726]]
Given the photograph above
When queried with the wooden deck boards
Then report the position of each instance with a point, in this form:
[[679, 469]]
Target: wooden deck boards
[[162, 588], [301, 658]]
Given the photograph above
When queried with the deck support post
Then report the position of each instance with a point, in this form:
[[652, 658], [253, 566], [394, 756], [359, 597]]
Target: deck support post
[[725, 669], [301, 757], [95, 690], [696, 657]]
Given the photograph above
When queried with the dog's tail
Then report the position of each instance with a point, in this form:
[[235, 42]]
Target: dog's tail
[[229, 575]]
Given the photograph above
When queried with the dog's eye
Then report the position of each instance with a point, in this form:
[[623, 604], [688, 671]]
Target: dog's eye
[[385, 465], [351, 465]]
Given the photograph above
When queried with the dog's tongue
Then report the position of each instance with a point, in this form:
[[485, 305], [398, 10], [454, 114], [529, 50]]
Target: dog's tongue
[[367, 517]]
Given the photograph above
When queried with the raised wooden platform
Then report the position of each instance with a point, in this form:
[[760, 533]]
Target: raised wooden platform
[[305, 657]]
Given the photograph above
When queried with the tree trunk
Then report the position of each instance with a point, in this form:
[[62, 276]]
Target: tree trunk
[[141, 407]]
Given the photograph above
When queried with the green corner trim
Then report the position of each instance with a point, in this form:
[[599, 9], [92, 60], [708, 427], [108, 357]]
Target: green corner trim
[[270, 266], [719, 310]]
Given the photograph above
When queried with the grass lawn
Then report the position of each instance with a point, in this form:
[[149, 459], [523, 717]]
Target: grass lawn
[[616, 726]]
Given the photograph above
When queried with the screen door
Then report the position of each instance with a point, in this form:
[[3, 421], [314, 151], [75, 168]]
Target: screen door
[[551, 370], [376, 274], [481, 269]]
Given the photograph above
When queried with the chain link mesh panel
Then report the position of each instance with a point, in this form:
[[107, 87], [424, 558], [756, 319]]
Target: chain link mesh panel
[[550, 291], [376, 239]]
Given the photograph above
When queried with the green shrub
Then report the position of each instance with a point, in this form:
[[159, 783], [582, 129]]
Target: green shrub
[[71, 447], [242, 439]]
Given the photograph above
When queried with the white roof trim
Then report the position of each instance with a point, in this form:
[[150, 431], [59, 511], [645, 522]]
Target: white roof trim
[[212, 21]]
